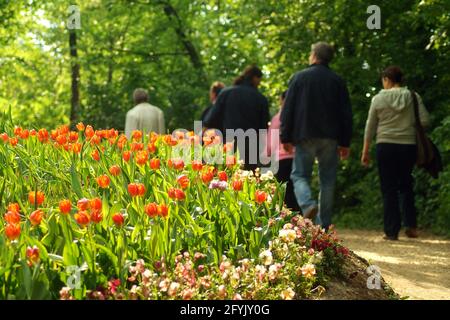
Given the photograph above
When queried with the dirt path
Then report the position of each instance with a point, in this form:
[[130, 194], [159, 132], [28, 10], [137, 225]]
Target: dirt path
[[415, 268]]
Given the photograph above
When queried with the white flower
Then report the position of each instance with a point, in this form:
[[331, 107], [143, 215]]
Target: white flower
[[308, 270], [267, 176], [174, 286], [287, 294], [287, 235], [266, 257]]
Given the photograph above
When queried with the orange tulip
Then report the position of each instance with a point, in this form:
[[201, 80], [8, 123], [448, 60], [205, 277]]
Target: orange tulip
[[36, 197], [17, 131], [61, 140], [73, 136], [95, 140], [12, 231], [155, 163], [80, 126], [136, 135], [83, 204], [76, 148], [126, 156], [24, 134], [95, 155], [89, 132], [183, 181], [237, 185], [115, 170], [260, 196], [135, 146], [36, 217], [13, 141], [14, 207], [151, 210], [207, 176], [136, 189], [65, 206], [95, 204], [103, 181], [118, 219], [141, 157], [43, 135], [230, 161], [12, 217], [163, 210], [82, 218], [151, 147], [141, 190]]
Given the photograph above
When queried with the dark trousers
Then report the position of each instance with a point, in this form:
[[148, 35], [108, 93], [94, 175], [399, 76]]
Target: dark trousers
[[284, 175], [395, 165]]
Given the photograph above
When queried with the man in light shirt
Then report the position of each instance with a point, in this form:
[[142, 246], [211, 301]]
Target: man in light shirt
[[144, 116]]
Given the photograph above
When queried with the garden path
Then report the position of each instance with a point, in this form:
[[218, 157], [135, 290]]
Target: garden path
[[414, 268]]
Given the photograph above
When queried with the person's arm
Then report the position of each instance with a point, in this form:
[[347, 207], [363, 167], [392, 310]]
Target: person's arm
[[130, 125], [287, 114], [161, 123], [369, 133]]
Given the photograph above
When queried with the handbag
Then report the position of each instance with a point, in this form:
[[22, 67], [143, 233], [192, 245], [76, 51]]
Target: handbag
[[428, 155]]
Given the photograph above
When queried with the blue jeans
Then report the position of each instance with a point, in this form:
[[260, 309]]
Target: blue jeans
[[325, 150]]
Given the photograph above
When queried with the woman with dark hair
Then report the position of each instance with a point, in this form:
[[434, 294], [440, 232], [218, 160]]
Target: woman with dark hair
[[391, 119], [283, 157], [242, 106]]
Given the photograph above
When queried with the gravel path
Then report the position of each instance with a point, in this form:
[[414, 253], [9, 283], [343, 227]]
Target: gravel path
[[415, 268]]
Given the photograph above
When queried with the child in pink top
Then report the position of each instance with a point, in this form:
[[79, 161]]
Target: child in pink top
[[285, 158]]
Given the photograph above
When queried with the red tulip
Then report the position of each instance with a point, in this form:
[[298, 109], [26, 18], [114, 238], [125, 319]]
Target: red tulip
[[80, 126], [89, 132], [207, 176], [12, 231], [36, 217], [13, 141], [4, 137], [114, 170], [136, 135], [183, 181], [83, 204], [151, 147], [103, 181], [76, 148], [133, 189], [95, 155], [65, 206], [118, 219], [141, 190], [151, 210], [260, 196], [42, 135], [96, 216], [36, 197], [222, 176], [155, 163], [197, 165]]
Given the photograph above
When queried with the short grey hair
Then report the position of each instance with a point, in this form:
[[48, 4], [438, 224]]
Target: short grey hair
[[140, 95], [323, 51]]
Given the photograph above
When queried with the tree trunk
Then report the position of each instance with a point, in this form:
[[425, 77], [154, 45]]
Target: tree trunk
[[75, 66]]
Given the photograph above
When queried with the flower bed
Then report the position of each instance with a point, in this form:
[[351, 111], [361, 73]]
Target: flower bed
[[89, 214]]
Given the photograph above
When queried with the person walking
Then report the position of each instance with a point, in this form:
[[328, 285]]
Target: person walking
[[242, 106], [283, 157], [317, 119], [391, 118], [214, 91], [144, 116]]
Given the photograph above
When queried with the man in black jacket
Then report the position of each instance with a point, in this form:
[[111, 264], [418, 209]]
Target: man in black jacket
[[317, 119], [243, 107]]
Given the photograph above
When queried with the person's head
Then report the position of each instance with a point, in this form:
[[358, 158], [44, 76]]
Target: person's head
[[391, 77], [252, 75], [140, 96], [282, 98], [215, 89], [321, 53]]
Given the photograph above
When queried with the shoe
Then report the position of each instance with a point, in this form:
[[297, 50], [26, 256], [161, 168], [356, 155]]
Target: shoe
[[311, 212], [412, 233], [390, 238]]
